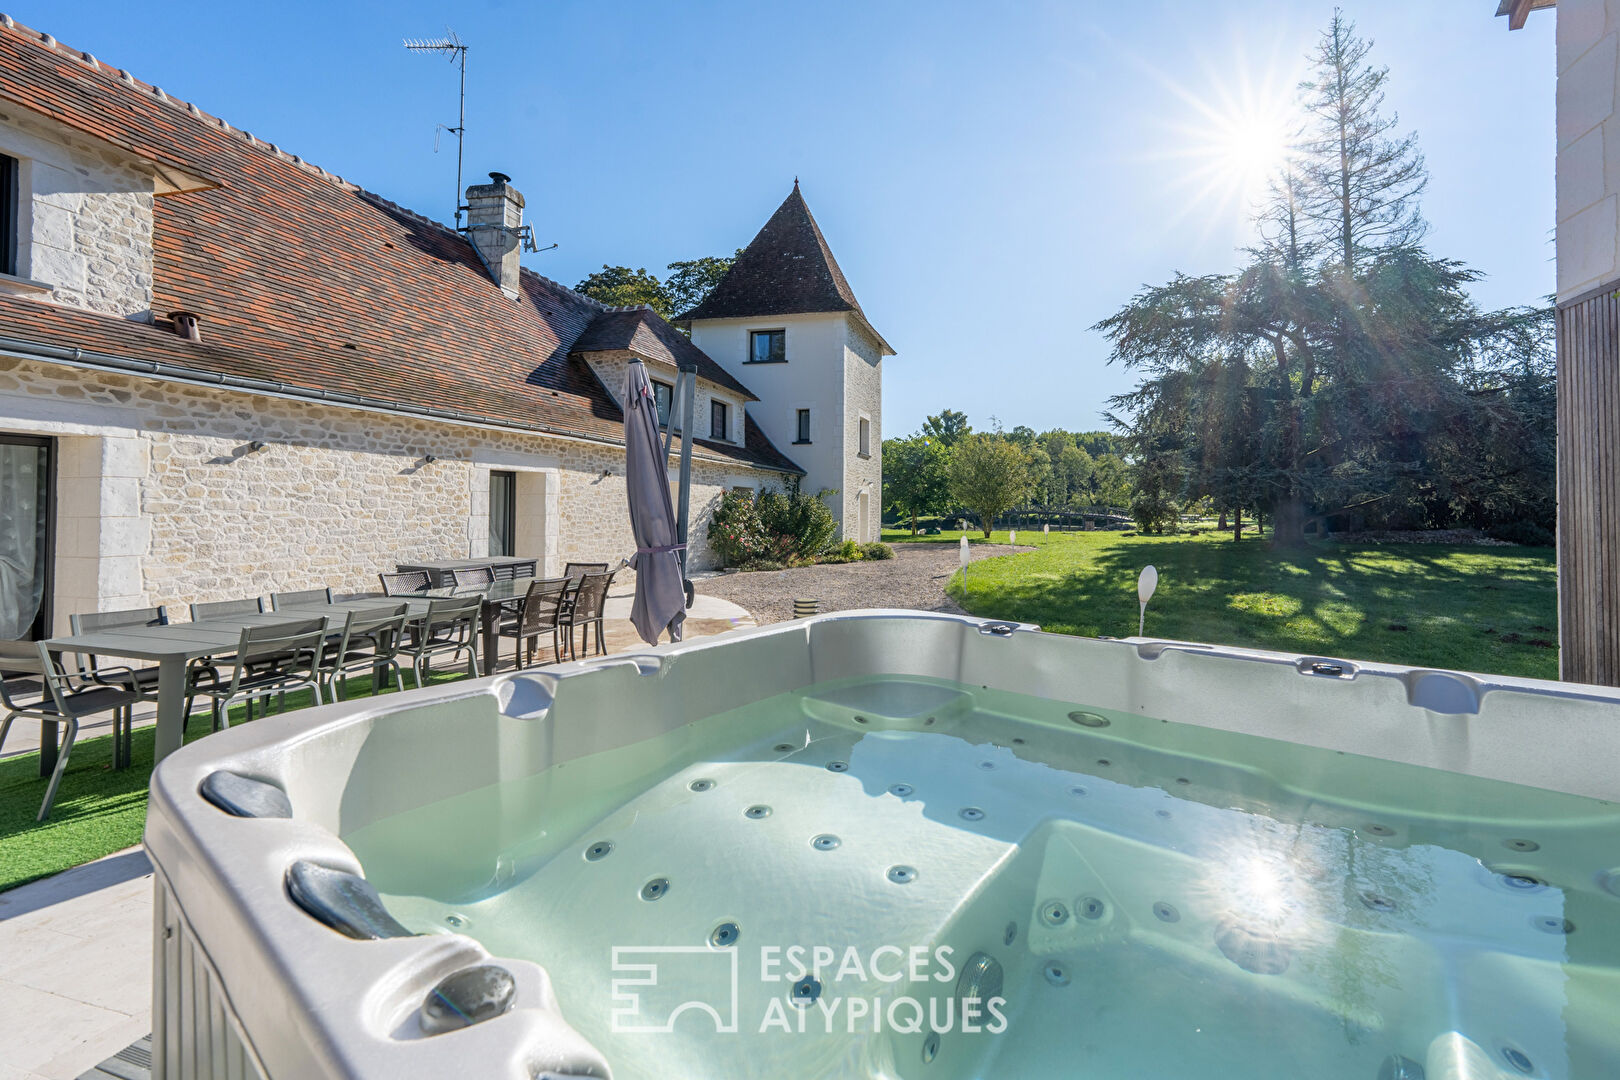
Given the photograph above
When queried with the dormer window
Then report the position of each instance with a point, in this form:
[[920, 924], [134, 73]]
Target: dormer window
[[663, 397], [717, 420], [8, 214], [767, 347]]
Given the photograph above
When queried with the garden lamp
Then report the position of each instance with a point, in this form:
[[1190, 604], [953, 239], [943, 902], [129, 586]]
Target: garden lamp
[[1012, 537], [964, 558], [1145, 585]]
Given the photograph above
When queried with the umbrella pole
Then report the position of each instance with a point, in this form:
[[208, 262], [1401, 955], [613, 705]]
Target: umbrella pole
[[688, 381]]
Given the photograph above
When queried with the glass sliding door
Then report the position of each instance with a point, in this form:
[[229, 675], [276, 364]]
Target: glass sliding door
[[502, 513], [26, 513]]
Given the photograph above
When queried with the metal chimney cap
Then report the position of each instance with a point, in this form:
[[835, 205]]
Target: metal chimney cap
[[500, 178]]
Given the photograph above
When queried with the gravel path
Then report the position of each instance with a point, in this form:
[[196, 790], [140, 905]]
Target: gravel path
[[915, 578]]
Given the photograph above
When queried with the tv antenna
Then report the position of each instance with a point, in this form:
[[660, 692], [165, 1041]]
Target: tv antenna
[[455, 49]]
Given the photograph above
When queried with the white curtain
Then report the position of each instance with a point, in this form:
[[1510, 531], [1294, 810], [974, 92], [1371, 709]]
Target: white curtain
[[22, 562]]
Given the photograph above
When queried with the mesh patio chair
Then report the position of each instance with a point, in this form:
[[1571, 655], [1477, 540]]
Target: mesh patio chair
[[142, 680], [586, 611], [270, 660], [577, 570], [449, 626], [302, 598], [477, 575], [544, 606], [370, 639], [59, 702], [225, 609], [411, 583]]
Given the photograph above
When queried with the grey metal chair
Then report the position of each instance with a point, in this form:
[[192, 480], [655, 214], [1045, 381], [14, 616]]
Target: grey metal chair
[[303, 598], [142, 680], [269, 660], [577, 570], [61, 703], [449, 626], [225, 609], [476, 575], [410, 583], [544, 606], [370, 640], [586, 611]]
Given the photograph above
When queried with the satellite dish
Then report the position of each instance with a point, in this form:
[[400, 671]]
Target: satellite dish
[[1147, 583]]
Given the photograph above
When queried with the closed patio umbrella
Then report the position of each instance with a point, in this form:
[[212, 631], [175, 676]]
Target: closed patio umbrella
[[660, 595]]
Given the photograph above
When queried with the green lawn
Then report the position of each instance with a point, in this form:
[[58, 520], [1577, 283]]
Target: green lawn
[[98, 809], [1490, 609]]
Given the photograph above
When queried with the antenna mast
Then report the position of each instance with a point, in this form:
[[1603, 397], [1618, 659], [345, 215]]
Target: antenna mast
[[453, 47]]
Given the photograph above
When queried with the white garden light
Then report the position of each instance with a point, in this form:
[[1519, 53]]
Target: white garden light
[[1145, 586], [964, 557]]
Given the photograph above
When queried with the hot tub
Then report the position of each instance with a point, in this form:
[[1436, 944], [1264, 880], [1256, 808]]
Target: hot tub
[[900, 845]]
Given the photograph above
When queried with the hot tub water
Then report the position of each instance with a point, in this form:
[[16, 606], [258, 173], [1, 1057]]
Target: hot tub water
[[1150, 898]]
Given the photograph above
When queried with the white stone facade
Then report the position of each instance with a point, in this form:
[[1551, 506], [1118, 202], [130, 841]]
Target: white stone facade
[[1588, 145], [161, 498], [834, 369], [84, 218]]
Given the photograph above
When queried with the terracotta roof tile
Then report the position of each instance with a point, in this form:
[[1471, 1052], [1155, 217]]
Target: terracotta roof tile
[[304, 279]]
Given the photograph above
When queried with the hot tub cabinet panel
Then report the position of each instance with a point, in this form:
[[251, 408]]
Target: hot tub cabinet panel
[[246, 983]]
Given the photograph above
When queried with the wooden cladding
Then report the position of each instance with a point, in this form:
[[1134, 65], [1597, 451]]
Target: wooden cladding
[[1589, 487]]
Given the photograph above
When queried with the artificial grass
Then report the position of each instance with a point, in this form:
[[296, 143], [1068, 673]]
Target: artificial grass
[[99, 809], [1486, 609]]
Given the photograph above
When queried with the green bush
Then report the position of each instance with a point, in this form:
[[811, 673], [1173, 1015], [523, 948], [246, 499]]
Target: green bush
[[799, 524], [1529, 533], [877, 550], [735, 530]]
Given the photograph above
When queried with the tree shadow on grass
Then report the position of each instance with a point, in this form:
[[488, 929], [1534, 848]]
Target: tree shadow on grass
[[1485, 609]]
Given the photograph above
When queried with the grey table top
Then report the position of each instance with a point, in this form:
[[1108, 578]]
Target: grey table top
[[190, 640]]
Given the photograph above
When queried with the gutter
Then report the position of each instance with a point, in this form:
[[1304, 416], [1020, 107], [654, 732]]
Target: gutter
[[85, 359]]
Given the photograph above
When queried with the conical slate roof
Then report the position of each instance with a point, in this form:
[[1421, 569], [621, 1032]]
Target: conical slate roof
[[787, 269]]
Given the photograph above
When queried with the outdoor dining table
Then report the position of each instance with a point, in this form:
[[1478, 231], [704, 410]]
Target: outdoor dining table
[[498, 596], [174, 646]]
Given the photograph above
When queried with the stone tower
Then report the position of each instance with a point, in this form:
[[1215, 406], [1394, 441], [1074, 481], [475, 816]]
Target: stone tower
[[785, 322]]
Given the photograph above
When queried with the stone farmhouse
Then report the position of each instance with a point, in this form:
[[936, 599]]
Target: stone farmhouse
[[225, 371]]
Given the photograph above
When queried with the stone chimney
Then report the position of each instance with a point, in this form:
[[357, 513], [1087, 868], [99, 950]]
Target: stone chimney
[[494, 215]]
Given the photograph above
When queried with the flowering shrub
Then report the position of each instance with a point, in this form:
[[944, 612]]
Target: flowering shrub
[[735, 531]]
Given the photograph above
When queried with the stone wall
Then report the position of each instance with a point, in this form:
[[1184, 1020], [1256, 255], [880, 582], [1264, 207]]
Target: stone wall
[[85, 217], [863, 398], [332, 497]]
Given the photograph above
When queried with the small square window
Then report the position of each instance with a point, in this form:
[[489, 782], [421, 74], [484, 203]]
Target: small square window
[[866, 437], [663, 396], [717, 420], [804, 426], [767, 347]]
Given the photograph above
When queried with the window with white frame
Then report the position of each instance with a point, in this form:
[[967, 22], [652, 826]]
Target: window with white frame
[[803, 426], [663, 397], [718, 428], [866, 437]]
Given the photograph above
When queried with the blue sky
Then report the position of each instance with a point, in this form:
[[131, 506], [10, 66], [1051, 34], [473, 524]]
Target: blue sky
[[993, 177]]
